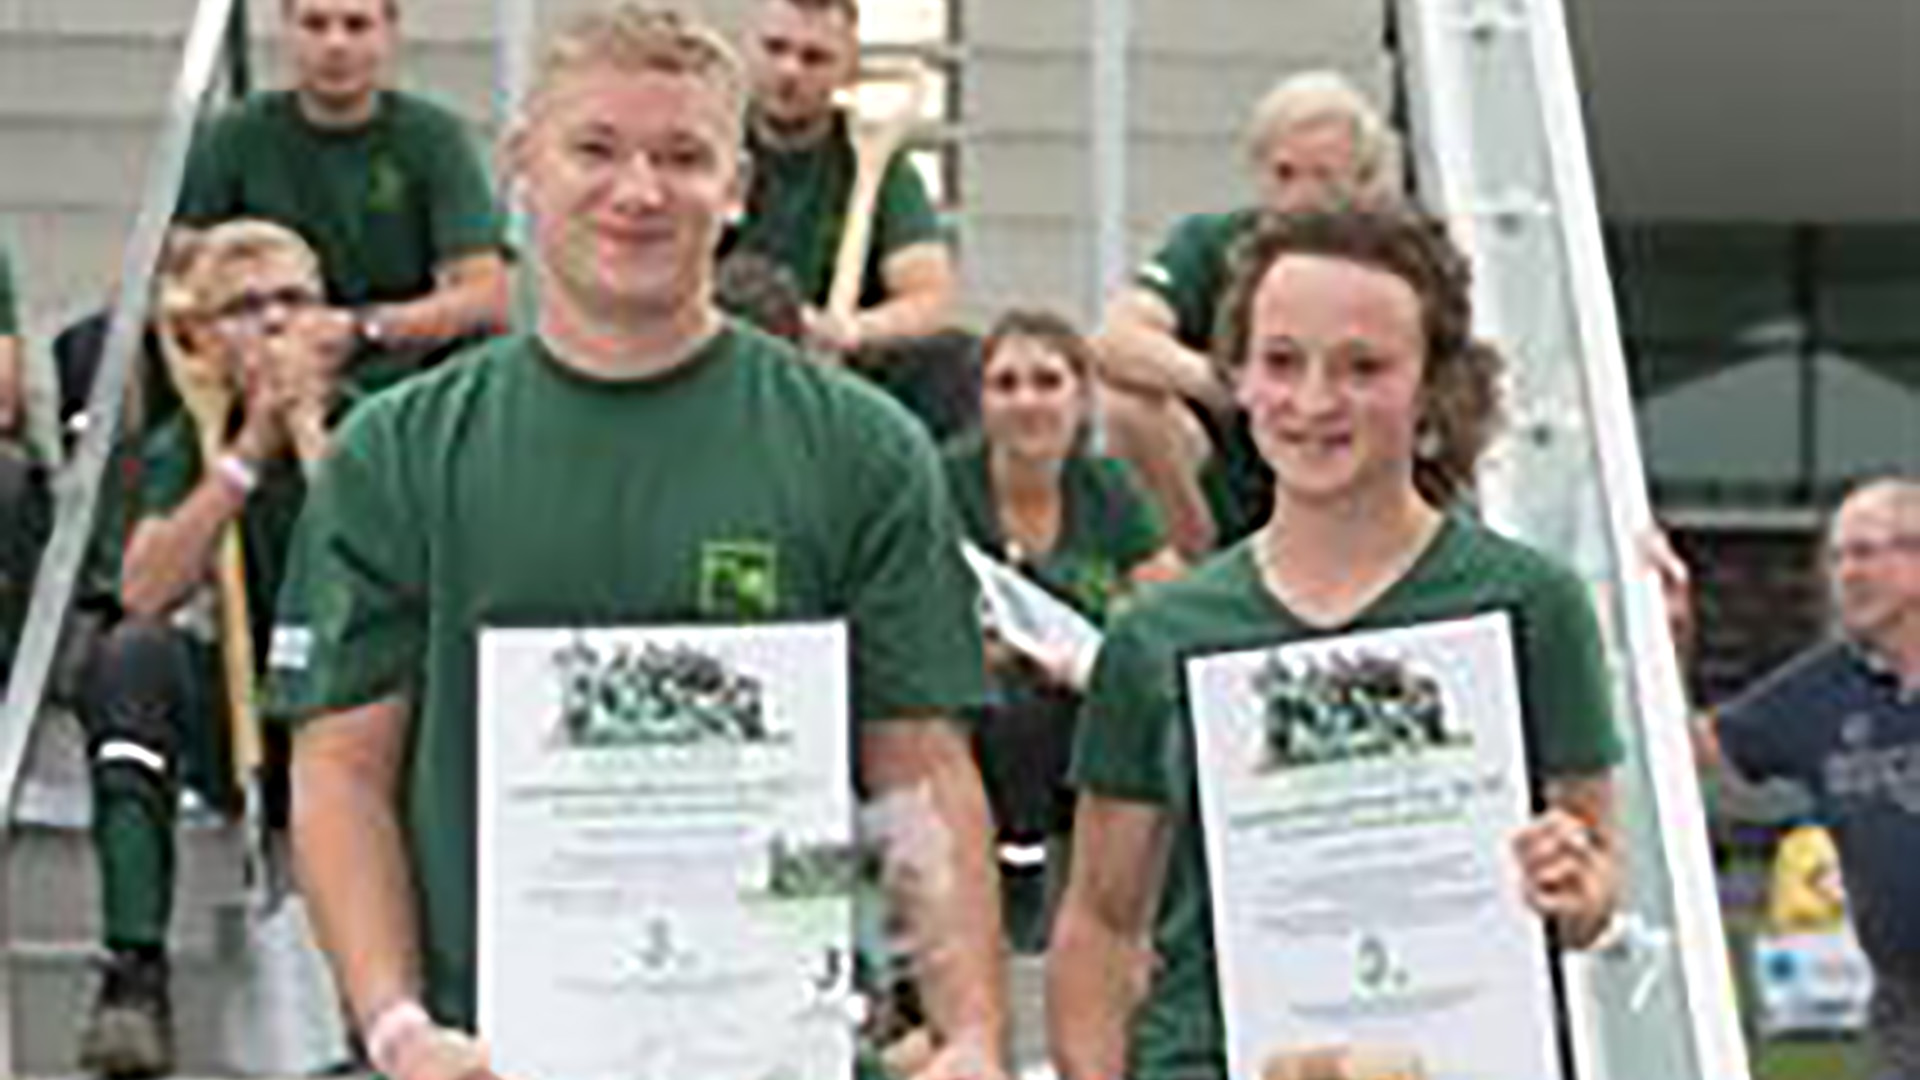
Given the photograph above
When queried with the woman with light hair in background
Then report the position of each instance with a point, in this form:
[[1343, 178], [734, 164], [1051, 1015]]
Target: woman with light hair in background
[[242, 311], [1313, 141]]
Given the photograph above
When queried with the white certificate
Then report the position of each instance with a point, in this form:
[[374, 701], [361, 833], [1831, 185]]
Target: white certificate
[[1360, 794], [666, 856]]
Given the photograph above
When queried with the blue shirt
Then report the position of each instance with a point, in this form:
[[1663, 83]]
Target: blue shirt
[[1839, 724]]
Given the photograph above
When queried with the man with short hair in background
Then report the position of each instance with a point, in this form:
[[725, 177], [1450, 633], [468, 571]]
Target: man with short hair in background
[[1842, 722], [385, 185], [800, 55]]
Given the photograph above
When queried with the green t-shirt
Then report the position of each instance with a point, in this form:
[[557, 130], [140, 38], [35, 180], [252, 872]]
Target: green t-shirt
[[170, 469], [1191, 273], [509, 490], [383, 205], [1135, 742], [797, 209], [9, 306], [1107, 525]]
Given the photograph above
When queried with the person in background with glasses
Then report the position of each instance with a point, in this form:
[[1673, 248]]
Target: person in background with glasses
[[1030, 494], [1842, 721], [249, 306]]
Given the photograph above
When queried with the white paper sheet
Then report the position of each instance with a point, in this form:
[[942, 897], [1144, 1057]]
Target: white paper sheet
[[1360, 794], [666, 853]]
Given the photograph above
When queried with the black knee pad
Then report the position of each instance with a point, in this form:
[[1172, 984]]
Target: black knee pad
[[135, 690]]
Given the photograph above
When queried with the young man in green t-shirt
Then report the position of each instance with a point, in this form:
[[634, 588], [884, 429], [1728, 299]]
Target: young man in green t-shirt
[[799, 54], [1313, 141], [635, 460], [249, 314], [386, 186]]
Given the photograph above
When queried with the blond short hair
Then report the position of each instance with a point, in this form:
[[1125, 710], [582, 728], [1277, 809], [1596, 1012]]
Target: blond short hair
[[204, 267], [635, 37], [1318, 97]]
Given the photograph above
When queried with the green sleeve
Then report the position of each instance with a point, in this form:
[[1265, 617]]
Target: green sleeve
[[1189, 273], [351, 622], [1122, 746], [1133, 527], [913, 603], [169, 467], [209, 190], [9, 304], [1569, 700], [904, 215], [966, 487], [464, 219]]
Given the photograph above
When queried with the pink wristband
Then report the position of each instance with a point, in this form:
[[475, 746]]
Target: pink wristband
[[390, 1028], [233, 469]]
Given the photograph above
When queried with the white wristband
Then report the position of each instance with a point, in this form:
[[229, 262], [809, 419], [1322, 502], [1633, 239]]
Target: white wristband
[[390, 1028], [234, 469]]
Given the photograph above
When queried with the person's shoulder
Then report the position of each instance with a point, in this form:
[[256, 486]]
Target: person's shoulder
[[252, 117], [1213, 600], [415, 113], [837, 402], [1812, 671], [1482, 553], [435, 401], [1215, 227]]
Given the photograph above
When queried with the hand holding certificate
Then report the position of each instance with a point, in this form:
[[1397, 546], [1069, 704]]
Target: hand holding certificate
[[1361, 796]]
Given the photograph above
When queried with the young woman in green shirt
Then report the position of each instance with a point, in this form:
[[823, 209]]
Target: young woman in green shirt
[[1029, 492], [1348, 338]]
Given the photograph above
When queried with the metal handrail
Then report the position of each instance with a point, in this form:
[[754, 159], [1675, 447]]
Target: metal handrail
[[80, 482], [1503, 152]]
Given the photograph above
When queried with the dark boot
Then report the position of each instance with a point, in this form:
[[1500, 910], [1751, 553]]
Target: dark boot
[[130, 1034]]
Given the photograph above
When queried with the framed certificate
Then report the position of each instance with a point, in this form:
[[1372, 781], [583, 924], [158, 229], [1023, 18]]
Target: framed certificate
[[1360, 794], [666, 859]]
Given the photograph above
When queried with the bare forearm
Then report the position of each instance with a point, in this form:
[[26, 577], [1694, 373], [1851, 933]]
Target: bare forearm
[[351, 855], [1092, 990], [1147, 359], [168, 557], [963, 978], [921, 287], [940, 872], [13, 397], [475, 302], [911, 316]]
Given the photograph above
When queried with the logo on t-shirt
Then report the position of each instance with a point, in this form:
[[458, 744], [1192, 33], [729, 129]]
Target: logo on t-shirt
[[739, 579], [386, 186]]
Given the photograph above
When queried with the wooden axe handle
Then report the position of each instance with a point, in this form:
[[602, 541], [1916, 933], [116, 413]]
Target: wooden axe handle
[[873, 148]]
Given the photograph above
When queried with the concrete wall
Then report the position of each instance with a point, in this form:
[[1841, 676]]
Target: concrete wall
[[83, 84], [1196, 66]]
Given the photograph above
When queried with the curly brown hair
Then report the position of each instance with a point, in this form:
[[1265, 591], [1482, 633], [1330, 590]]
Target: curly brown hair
[[1460, 385]]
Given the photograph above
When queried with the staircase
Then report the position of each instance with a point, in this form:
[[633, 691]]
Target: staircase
[[249, 993]]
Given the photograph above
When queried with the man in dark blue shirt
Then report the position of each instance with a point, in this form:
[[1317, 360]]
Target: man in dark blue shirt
[[1842, 721]]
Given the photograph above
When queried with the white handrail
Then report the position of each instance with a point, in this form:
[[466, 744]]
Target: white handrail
[[1503, 151], [80, 482]]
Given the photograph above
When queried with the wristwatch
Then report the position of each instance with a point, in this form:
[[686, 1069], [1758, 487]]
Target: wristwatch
[[367, 329]]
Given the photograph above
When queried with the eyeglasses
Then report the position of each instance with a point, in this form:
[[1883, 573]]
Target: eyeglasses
[[1869, 550], [253, 305], [1006, 382]]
